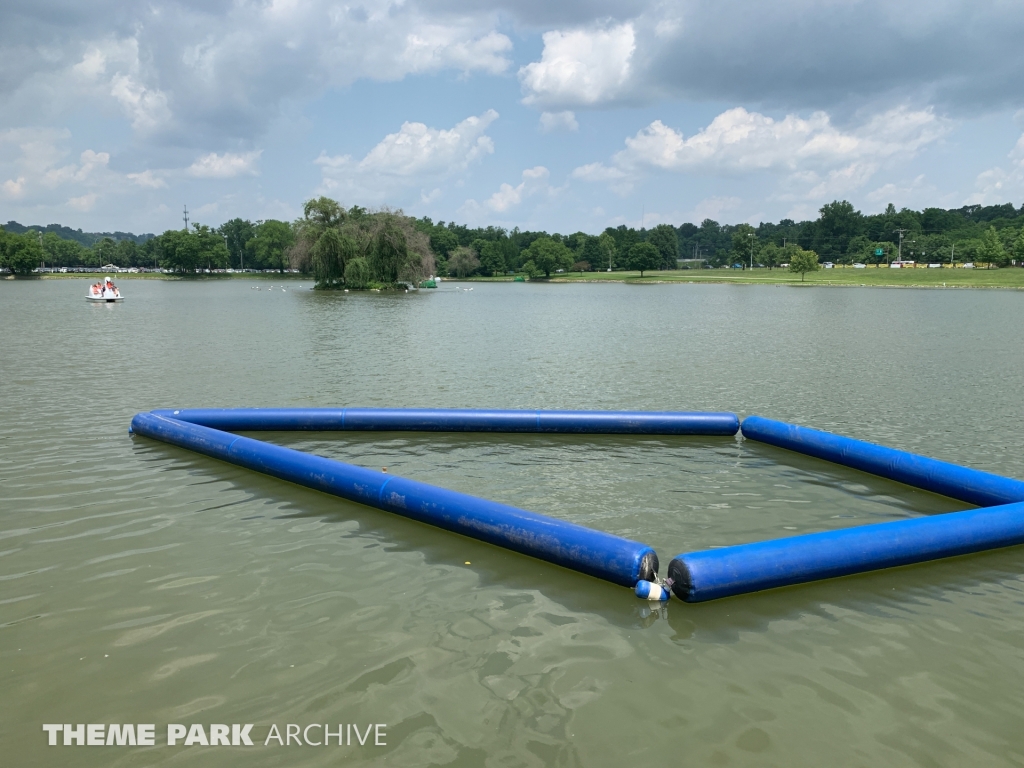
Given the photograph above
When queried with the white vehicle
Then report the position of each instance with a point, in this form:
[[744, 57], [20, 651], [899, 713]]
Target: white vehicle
[[969, 265], [105, 292], [858, 265], [828, 265]]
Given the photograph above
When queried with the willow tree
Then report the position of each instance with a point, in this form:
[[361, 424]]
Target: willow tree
[[331, 252], [386, 244], [389, 252]]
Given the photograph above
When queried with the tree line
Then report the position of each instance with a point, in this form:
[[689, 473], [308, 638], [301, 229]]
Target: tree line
[[358, 247]]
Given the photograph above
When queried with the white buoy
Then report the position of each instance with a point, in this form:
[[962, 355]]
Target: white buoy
[[648, 590]]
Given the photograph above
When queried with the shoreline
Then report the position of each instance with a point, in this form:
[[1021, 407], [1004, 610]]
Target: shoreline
[[1007, 278], [1002, 279]]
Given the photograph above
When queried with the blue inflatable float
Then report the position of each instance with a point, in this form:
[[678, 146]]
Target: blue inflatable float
[[693, 576], [209, 431], [727, 571]]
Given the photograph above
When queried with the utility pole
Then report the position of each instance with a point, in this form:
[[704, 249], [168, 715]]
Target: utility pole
[[952, 251], [186, 218], [899, 250], [751, 234]]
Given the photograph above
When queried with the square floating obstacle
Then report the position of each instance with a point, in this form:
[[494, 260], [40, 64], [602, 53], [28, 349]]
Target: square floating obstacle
[[695, 576]]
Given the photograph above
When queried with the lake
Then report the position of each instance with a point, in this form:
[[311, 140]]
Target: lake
[[141, 583]]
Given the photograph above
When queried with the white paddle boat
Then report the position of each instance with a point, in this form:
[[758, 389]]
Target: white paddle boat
[[104, 292]]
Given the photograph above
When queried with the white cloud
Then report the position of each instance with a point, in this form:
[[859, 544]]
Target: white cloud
[[534, 182], [809, 154], [999, 184], [898, 194], [113, 66], [416, 153], [35, 162], [558, 121], [598, 172], [713, 208], [225, 166], [418, 150], [83, 203], [147, 179], [14, 187], [181, 73], [146, 107], [580, 67], [439, 47], [508, 196]]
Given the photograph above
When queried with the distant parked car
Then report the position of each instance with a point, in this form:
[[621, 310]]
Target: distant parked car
[[828, 265], [858, 265]]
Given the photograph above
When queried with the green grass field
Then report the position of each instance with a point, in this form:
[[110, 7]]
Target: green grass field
[[1009, 277]]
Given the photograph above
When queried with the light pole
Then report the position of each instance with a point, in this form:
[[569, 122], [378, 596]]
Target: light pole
[[751, 234]]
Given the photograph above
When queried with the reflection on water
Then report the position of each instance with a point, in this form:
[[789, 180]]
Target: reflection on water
[[143, 583]]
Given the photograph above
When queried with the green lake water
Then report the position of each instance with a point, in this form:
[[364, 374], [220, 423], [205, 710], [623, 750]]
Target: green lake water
[[140, 583]]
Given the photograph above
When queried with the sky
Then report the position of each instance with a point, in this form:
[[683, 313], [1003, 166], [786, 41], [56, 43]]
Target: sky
[[562, 116]]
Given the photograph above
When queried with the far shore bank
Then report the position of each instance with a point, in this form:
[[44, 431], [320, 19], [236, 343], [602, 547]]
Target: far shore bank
[[94, 276], [1009, 278]]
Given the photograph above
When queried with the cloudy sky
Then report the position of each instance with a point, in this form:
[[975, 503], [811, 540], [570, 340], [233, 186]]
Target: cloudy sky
[[556, 115]]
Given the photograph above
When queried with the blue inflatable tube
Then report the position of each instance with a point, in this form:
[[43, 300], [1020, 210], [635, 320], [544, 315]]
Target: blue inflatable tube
[[592, 552], [444, 420], [970, 485], [708, 575]]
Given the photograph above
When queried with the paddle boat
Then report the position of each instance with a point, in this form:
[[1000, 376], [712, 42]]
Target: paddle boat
[[104, 292]]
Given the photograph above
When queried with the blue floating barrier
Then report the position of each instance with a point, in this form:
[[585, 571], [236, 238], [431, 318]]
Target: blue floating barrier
[[727, 571], [971, 485], [454, 420], [735, 570], [596, 553], [694, 576]]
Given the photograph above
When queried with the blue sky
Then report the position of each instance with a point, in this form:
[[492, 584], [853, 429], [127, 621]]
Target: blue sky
[[569, 116]]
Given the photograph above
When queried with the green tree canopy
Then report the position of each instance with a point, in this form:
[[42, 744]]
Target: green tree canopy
[[607, 251], [643, 256], [771, 255], [396, 248], [838, 223], [593, 254], [357, 274], [20, 253], [802, 261], [549, 255], [1018, 246], [991, 249], [744, 238], [269, 245], [664, 238], [331, 253], [237, 233], [463, 261], [491, 255]]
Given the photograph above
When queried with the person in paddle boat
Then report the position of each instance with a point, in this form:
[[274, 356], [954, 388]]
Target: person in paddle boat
[[109, 289], [96, 289]]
